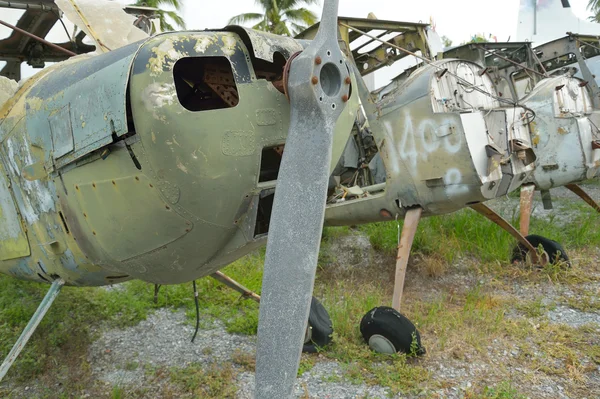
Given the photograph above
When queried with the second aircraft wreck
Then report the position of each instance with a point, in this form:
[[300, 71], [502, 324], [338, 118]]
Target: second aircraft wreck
[[159, 158]]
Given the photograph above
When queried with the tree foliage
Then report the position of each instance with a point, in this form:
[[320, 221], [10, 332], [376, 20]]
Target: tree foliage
[[446, 41], [174, 16], [594, 7], [281, 17]]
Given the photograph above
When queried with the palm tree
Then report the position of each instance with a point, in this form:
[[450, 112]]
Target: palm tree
[[163, 14], [594, 7], [281, 17]]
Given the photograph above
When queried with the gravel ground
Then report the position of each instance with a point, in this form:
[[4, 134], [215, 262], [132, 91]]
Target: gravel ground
[[164, 340], [121, 357]]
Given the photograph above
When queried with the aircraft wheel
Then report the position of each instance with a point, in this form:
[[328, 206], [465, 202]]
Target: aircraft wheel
[[319, 330], [554, 250], [386, 330]]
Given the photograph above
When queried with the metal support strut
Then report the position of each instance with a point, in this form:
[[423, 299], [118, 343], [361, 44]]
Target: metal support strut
[[31, 326], [231, 283], [411, 222], [583, 195], [489, 213]]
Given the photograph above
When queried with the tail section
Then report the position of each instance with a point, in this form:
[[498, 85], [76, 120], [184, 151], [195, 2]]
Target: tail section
[[541, 21]]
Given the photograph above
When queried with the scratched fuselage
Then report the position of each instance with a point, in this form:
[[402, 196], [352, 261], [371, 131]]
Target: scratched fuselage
[[159, 160], [155, 161], [434, 142]]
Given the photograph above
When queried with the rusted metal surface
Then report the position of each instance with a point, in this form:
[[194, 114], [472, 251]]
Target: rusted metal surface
[[527, 192], [44, 5], [411, 36], [39, 39], [409, 229], [520, 66], [231, 283], [500, 221], [584, 196]]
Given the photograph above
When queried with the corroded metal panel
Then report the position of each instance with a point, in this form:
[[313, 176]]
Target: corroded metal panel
[[95, 92], [265, 44], [62, 132], [13, 241], [118, 228]]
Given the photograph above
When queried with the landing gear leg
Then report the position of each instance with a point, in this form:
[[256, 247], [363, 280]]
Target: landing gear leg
[[319, 328], [385, 329], [584, 196], [31, 326], [527, 245], [526, 205]]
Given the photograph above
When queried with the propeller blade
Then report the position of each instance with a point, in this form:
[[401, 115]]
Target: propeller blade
[[318, 90]]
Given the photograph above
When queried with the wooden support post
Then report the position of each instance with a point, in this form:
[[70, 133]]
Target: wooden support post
[[411, 222], [527, 192]]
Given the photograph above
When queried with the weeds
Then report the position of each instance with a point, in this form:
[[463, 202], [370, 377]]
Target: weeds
[[459, 320]]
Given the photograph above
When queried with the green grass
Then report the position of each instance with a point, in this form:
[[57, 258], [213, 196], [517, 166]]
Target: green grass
[[455, 322], [206, 381], [64, 333], [466, 233], [504, 390]]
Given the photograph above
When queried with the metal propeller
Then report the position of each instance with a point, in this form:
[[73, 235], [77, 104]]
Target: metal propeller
[[318, 90]]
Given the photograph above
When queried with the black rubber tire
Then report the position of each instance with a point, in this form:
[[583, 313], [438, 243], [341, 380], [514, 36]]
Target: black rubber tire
[[552, 248], [322, 329], [391, 324]]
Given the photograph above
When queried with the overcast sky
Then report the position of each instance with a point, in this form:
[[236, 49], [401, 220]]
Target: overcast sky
[[458, 20]]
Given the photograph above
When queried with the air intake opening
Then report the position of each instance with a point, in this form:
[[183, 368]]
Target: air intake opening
[[205, 83], [263, 214], [64, 222], [270, 162]]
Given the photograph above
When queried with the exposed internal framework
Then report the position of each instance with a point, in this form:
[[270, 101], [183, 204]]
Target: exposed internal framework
[[555, 81], [464, 112]]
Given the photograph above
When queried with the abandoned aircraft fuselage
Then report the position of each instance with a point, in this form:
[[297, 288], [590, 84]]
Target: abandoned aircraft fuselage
[[564, 132], [434, 144], [159, 160], [155, 161]]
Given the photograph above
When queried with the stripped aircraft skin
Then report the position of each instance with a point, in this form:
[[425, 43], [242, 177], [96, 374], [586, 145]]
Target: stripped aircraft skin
[[119, 169], [157, 158]]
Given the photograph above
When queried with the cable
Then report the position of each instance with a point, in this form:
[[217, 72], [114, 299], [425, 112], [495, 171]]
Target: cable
[[197, 310], [63, 24], [428, 61], [156, 289]]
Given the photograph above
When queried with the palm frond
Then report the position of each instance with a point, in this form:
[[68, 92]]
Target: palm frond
[[297, 28], [301, 15], [291, 4], [245, 18], [165, 26], [176, 18], [177, 4]]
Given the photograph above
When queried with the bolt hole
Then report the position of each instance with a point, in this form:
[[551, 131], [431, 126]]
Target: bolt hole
[[333, 106], [331, 79], [320, 98], [328, 53]]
